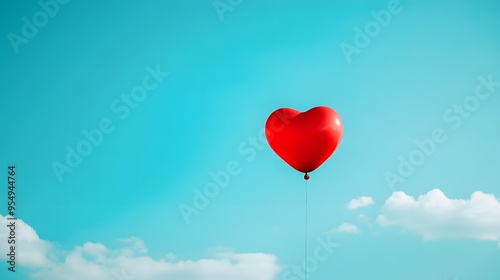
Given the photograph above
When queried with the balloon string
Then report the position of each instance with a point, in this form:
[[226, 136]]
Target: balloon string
[[305, 243]]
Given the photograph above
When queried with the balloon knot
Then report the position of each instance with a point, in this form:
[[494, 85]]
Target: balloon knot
[[306, 176]]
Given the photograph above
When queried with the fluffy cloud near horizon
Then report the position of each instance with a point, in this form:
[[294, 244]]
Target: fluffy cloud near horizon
[[435, 216], [96, 261], [359, 202]]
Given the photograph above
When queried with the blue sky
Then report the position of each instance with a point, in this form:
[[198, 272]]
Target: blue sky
[[430, 66]]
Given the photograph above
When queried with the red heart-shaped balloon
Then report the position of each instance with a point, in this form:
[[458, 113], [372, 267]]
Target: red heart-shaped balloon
[[304, 140]]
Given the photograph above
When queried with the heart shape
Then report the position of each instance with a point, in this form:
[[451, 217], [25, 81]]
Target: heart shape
[[304, 140]]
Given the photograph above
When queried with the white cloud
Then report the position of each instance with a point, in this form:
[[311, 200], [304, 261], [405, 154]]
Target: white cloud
[[170, 256], [138, 246], [435, 216], [35, 252], [347, 228], [359, 202], [96, 261]]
